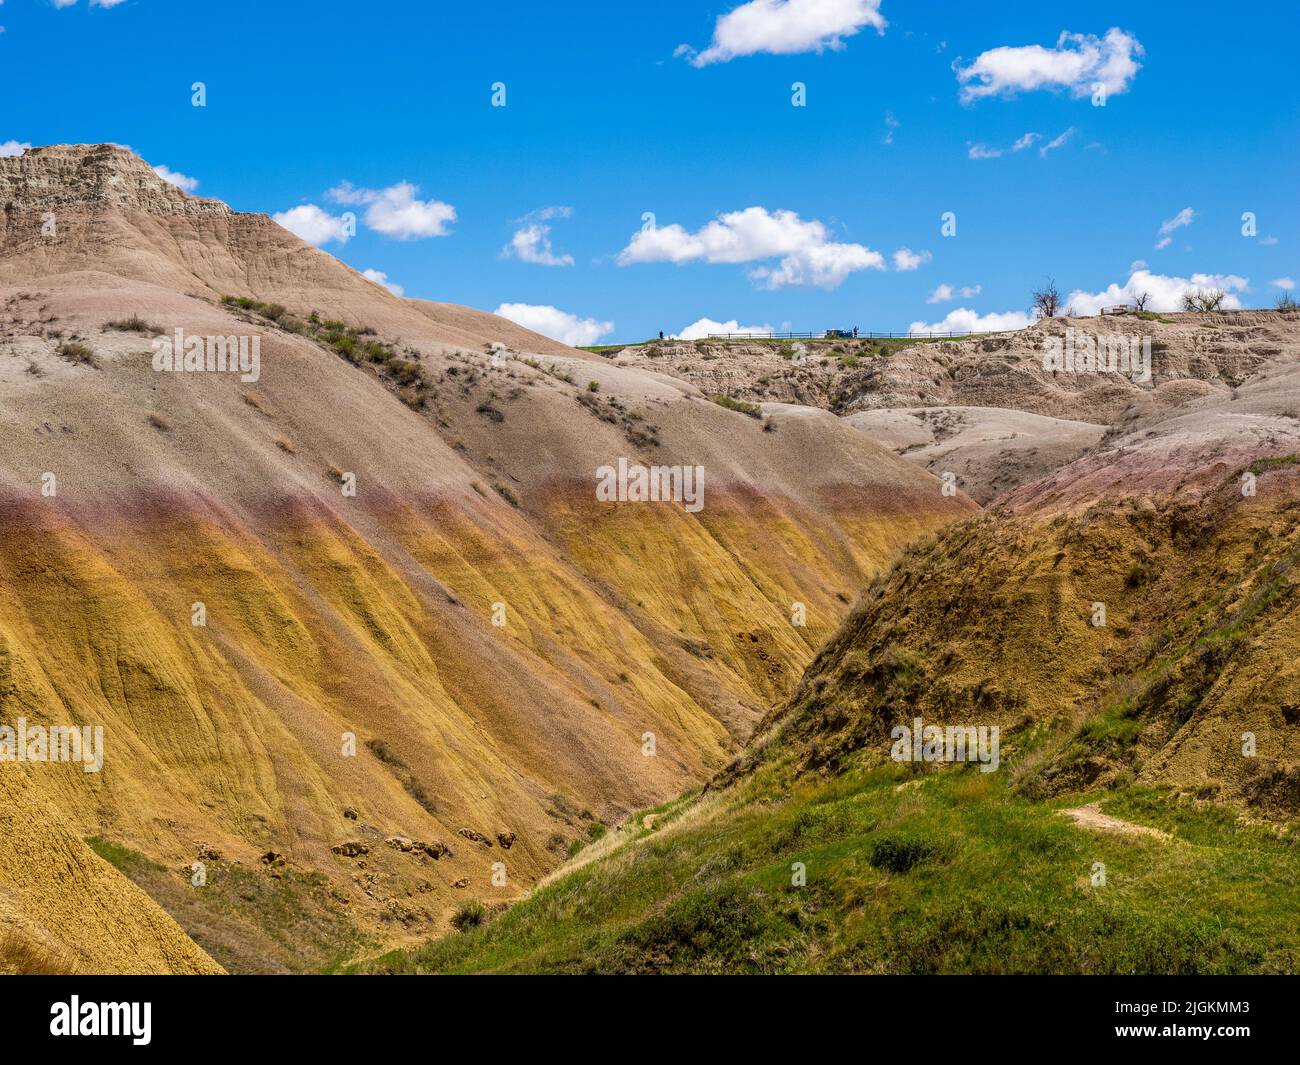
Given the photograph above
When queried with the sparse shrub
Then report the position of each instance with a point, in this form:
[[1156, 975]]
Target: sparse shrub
[[593, 386], [134, 324], [1286, 302], [596, 831], [506, 492], [78, 354], [286, 446], [738, 405], [487, 410], [469, 914], [160, 423]]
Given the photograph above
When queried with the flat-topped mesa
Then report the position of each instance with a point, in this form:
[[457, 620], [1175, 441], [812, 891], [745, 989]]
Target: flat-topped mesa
[[93, 177]]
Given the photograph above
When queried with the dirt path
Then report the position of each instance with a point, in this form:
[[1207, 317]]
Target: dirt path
[[1090, 816]]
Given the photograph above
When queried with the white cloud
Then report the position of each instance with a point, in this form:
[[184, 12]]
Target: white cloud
[[807, 256], [314, 225], [396, 212], [785, 27], [1166, 292], [965, 320], [558, 325], [945, 292], [891, 124], [1056, 142], [906, 259], [1136, 265], [1182, 218], [381, 278], [704, 326], [9, 149], [1027, 140], [1078, 63], [1284, 283], [173, 177], [531, 243]]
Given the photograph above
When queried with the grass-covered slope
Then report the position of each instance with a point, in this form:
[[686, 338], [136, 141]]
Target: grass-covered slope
[[1170, 731], [941, 872]]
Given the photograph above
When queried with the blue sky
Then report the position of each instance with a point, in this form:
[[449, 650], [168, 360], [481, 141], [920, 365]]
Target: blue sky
[[764, 213]]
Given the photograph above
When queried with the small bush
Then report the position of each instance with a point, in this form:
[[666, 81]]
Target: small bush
[[469, 914], [738, 405], [134, 324], [78, 354], [160, 423], [593, 386]]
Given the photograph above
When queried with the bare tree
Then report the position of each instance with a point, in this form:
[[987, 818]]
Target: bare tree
[[1286, 302], [1047, 300], [1141, 300], [1209, 299]]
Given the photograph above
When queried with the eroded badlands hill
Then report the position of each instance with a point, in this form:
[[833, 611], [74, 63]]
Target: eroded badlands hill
[[1129, 622], [347, 742], [987, 409]]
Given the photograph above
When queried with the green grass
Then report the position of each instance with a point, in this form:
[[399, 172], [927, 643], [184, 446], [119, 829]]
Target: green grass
[[938, 872], [249, 918], [357, 344]]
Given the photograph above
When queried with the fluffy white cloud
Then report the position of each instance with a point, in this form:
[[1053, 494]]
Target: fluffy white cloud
[[313, 224], [9, 149], [554, 323], [381, 278], [1166, 292], [396, 212], [806, 254], [704, 326], [906, 259], [1078, 63], [1284, 283], [173, 177], [785, 27], [965, 320], [1182, 218], [945, 292], [531, 243]]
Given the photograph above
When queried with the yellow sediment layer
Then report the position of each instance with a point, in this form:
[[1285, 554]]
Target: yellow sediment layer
[[232, 733]]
